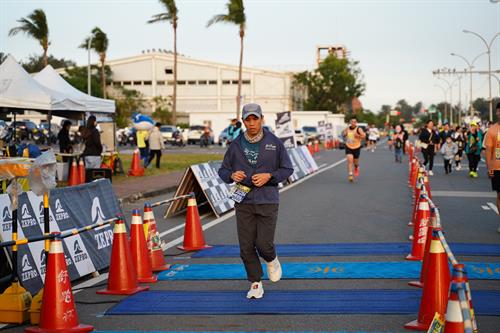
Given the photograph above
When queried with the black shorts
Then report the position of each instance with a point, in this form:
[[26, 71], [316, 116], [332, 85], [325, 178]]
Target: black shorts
[[495, 181], [354, 152]]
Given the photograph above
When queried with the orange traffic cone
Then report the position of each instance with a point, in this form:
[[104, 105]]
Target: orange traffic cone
[[122, 279], [81, 171], [310, 148], [58, 312], [454, 319], [73, 174], [416, 201], [413, 172], [420, 230], [154, 241], [425, 262], [436, 286], [136, 169], [193, 233], [316, 146], [139, 250]]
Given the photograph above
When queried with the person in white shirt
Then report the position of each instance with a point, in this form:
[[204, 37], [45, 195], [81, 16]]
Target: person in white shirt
[[155, 145], [373, 136]]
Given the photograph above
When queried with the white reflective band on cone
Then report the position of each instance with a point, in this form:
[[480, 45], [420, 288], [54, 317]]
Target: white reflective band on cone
[[136, 219], [120, 228], [423, 205], [191, 202], [148, 215], [454, 312], [56, 247], [436, 247]]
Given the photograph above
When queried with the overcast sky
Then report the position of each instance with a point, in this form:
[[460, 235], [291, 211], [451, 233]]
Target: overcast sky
[[397, 42]]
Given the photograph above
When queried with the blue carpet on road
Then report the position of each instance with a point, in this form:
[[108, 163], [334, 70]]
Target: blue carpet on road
[[288, 302], [350, 249], [323, 270]]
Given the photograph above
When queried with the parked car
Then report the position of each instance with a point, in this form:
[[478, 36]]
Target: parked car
[[300, 137], [195, 133], [166, 132], [310, 133]]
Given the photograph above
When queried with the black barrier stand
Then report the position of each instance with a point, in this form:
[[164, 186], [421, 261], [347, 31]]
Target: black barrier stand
[[14, 247]]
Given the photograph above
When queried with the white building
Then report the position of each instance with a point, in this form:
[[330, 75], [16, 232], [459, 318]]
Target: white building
[[202, 86]]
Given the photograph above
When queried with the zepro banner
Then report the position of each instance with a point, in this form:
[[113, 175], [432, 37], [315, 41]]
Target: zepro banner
[[303, 163], [70, 207], [284, 129]]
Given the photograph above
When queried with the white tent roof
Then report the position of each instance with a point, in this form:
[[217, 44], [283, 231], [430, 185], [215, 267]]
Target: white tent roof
[[49, 78], [19, 90]]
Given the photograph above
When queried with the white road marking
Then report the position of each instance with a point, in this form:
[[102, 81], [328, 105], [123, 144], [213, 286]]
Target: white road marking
[[179, 240], [463, 194], [493, 207], [322, 165], [485, 207]]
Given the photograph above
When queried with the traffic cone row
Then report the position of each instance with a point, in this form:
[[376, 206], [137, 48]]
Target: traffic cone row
[[76, 172], [420, 229], [154, 241], [135, 168], [310, 148], [316, 146], [193, 232]]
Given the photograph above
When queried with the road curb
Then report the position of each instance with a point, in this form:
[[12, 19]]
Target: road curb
[[147, 194]]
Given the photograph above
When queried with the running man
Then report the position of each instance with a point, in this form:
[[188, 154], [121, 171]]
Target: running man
[[373, 136], [353, 136], [492, 143]]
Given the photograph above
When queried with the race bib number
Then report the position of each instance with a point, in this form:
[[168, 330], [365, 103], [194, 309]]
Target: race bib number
[[350, 137], [238, 192]]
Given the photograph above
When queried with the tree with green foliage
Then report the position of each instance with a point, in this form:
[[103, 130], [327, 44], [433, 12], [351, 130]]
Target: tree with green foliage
[[127, 102], [99, 43], [332, 85], [162, 112], [36, 27], [170, 16], [77, 77], [235, 15], [36, 63]]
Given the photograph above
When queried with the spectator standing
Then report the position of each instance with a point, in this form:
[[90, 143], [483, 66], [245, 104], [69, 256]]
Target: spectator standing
[[473, 148], [155, 145], [65, 146], [459, 138], [93, 146]]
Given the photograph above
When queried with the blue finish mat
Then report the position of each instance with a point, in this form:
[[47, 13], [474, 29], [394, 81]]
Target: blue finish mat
[[350, 249], [288, 302], [324, 270]]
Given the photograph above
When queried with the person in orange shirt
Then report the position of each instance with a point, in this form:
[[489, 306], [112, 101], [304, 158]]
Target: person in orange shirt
[[492, 143], [353, 136]]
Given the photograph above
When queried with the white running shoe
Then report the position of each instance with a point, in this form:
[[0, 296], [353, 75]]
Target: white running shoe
[[431, 173], [274, 270], [256, 290]]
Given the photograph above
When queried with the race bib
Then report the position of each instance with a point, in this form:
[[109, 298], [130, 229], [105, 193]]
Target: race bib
[[238, 192]]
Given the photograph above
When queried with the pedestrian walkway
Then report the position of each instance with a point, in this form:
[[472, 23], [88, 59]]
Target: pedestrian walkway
[[139, 187]]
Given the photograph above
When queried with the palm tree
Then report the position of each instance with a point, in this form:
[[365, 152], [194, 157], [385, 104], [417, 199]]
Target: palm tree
[[235, 15], [36, 27], [170, 16], [99, 43]]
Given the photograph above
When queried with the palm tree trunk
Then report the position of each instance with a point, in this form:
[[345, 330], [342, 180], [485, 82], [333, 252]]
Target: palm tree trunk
[[103, 77], [174, 95], [45, 59], [238, 97]]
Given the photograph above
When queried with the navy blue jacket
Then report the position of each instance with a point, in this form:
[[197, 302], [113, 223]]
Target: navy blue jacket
[[273, 158]]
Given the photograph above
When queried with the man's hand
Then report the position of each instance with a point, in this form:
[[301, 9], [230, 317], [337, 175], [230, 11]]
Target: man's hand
[[491, 173], [260, 179], [238, 176]]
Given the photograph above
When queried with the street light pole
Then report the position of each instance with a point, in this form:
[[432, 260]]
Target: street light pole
[[445, 97], [88, 66], [488, 47], [450, 86], [471, 66]]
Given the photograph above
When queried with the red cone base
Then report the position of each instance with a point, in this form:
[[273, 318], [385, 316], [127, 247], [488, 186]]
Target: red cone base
[[416, 326]]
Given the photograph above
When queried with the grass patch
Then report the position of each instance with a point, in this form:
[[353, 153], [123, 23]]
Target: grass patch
[[169, 163]]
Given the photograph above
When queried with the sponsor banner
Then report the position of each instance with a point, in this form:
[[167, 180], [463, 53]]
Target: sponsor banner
[[303, 163], [70, 208], [216, 191], [284, 129], [322, 129], [329, 130], [28, 257]]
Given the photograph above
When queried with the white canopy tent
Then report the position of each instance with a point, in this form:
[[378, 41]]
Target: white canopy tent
[[18, 90], [49, 78]]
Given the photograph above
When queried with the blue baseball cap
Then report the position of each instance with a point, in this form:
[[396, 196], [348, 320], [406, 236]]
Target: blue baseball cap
[[251, 109]]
